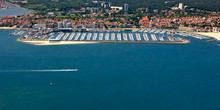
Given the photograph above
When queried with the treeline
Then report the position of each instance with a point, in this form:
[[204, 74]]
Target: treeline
[[42, 5], [212, 5]]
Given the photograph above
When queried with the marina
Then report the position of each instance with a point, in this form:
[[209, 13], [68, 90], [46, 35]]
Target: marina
[[119, 36], [134, 36], [131, 36], [89, 36], [116, 37], [113, 36], [145, 37], [154, 38], [71, 36], [149, 35], [100, 36], [66, 35], [77, 36], [125, 37], [94, 36], [107, 36], [17, 33], [83, 36]]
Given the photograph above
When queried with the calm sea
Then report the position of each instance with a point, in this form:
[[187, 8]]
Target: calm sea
[[109, 76]]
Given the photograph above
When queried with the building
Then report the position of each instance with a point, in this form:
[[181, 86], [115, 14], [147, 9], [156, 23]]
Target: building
[[93, 9], [102, 4], [109, 4], [60, 25], [79, 26], [128, 26], [105, 4], [69, 25], [156, 11], [215, 29], [95, 1], [1, 24], [51, 25], [126, 7], [181, 6], [182, 28], [64, 23], [24, 26], [116, 8], [146, 9], [90, 26], [39, 25]]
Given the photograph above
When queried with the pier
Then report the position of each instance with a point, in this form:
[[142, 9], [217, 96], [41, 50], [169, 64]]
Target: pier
[[94, 36], [89, 36], [145, 37], [113, 36], [66, 35], [131, 37], [119, 36], [125, 37], [107, 36], [71, 36]]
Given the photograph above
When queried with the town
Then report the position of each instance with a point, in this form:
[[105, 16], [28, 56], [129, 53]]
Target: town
[[107, 16]]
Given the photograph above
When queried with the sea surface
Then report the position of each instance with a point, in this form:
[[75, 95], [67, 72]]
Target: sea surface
[[109, 76], [13, 11]]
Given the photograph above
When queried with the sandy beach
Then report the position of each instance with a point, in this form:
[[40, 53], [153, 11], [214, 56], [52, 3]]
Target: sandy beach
[[8, 27], [56, 43], [215, 35], [92, 42]]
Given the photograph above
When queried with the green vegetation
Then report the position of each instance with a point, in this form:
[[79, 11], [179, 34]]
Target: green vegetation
[[65, 5]]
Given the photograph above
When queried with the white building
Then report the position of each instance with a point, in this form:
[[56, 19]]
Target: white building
[[215, 29], [116, 8], [181, 6]]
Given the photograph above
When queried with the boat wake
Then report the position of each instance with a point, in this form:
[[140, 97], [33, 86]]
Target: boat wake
[[46, 70]]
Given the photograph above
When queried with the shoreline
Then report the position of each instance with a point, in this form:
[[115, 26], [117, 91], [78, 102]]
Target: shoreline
[[92, 42], [18, 6], [215, 35], [13, 27], [55, 43]]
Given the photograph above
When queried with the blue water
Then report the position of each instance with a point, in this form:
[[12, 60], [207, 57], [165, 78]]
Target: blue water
[[110, 76], [13, 11]]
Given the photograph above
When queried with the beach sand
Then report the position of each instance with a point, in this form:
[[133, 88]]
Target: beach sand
[[92, 42], [56, 43], [215, 35], [14, 27], [7, 28]]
